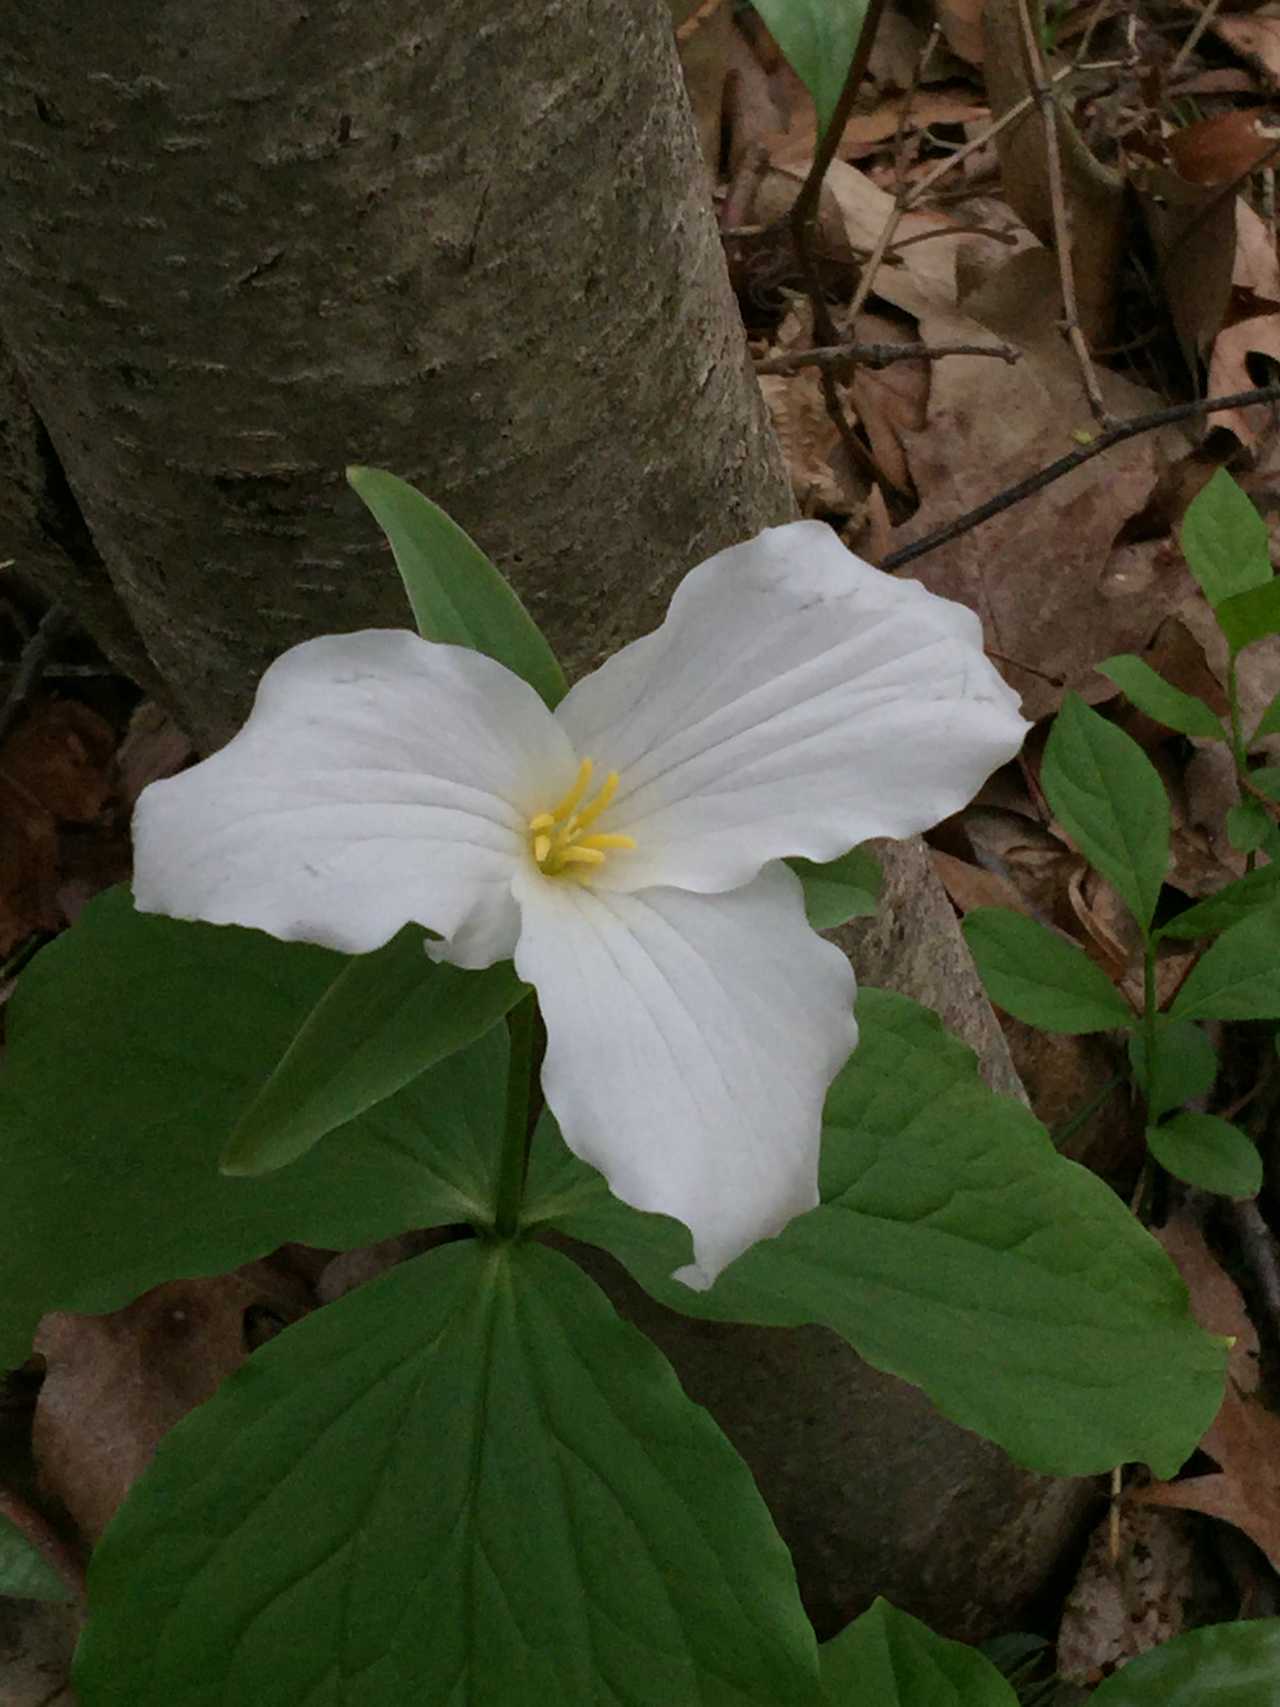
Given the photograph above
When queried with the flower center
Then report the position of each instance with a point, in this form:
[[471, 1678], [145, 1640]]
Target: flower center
[[559, 839]]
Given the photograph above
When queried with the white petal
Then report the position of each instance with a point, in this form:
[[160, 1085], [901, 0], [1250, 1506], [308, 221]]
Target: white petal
[[690, 1043], [795, 701], [379, 780]]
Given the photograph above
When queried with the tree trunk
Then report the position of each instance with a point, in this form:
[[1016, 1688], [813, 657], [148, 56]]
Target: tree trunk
[[248, 244]]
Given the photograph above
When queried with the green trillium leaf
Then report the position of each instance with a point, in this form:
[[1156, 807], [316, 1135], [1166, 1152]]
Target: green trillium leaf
[[888, 1658], [135, 1043], [839, 889], [457, 595], [955, 1248], [385, 1019], [1032, 973], [1222, 1665], [1108, 796], [467, 1481]]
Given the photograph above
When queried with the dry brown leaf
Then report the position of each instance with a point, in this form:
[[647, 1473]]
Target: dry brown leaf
[[61, 756], [153, 747], [28, 869], [116, 1383], [961, 22], [1117, 1611], [1255, 37], [969, 886], [1054, 591], [1244, 1438], [1223, 148]]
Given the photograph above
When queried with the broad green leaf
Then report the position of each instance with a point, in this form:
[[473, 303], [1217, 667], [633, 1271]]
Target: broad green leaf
[[24, 1572], [956, 1249], [1186, 1065], [385, 1019], [886, 1658], [817, 38], [1267, 781], [1206, 1151], [1238, 977], [1224, 540], [1222, 1665], [135, 1042], [1108, 796], [1038, 977], [1250, 616], [1270, 723], [466, 1482], [1160, 699], [841, 889], [456, 594], [1237, 901], [1248, 826]]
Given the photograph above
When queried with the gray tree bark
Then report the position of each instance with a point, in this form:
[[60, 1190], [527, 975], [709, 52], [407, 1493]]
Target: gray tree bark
[[248, 244]]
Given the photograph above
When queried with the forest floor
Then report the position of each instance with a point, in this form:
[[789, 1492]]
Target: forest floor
[[939, 230]]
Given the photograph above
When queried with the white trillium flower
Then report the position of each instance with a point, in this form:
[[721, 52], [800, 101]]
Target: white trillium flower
[[625, 850]]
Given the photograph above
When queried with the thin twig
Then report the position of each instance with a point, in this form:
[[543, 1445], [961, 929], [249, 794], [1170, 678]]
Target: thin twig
[[881, 355], [1114, 435], [803, 220], [54, 624], [1042, 90], [1207, 15]]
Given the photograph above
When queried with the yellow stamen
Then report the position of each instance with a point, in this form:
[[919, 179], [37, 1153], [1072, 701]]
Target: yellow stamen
[[581, 784], [589, 814], [557, 840], [607, 842], [581, 856]]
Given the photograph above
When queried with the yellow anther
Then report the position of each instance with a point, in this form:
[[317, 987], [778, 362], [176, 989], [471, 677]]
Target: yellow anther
[[557, 842], [581, 856], [581, 784], [607, 842]]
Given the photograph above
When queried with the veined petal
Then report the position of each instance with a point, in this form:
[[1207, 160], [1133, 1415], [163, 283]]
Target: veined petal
[[794, 701], [690, 1043], [380, 779]]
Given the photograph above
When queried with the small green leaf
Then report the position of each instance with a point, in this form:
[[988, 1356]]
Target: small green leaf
[[1221, 1665], [1267, 781], [1108, 796], [135, 1042], [1160, 699], [955, 1249], [886, 1658], [841, 889], [387, 1017], [24, 1572], [1250, 616], [467, 1481], [1224, 540], [1270, 724], [1239, 900], [1186, 1065], [818, 39], [1208, 1152], [1035, 975], [1239, 976], [1248, 826], [456, 594]]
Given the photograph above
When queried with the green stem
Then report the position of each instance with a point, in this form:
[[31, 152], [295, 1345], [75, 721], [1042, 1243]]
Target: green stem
[[522, 1025], [1237, 735], [1148, 1019]]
